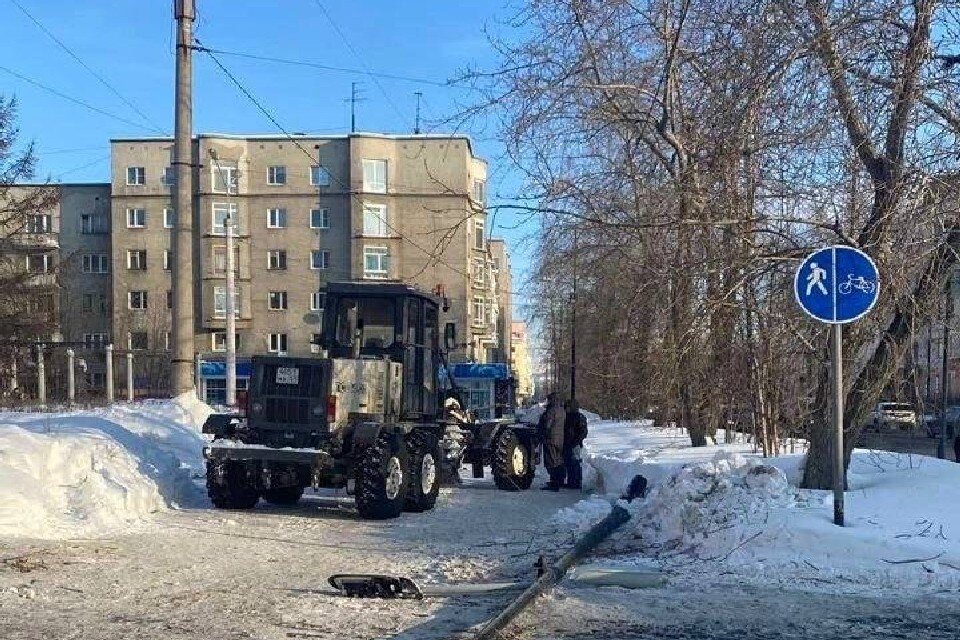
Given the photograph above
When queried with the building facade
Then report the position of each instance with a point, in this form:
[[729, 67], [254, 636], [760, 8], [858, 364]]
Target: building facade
[[306, 211], [520, 362]]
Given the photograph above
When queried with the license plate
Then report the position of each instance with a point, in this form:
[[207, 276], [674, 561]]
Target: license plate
[[288, 375]]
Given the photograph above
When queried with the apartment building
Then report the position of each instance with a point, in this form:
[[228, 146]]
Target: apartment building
[[520, 362], [306, 211], [61, 249], [499, 268]]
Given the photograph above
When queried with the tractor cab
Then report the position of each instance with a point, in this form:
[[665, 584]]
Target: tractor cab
[[393, 321]]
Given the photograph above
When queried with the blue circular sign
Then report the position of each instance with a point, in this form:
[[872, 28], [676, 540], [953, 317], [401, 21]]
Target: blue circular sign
[[837, 284]]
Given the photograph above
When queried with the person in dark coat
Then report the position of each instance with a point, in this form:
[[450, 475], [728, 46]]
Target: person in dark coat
[[574, 433], [550, 428], [956, 448]]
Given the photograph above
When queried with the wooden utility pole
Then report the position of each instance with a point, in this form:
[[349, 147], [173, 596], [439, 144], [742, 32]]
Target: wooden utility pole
[[182, 241]]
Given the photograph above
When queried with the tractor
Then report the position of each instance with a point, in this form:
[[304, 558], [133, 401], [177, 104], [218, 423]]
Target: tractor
[[366, 413]]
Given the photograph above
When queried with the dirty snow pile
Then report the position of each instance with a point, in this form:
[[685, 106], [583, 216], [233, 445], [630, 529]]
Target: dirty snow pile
[[722, 510], [84, 473]]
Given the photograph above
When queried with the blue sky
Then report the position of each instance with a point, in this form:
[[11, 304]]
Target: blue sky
[[130, 44]]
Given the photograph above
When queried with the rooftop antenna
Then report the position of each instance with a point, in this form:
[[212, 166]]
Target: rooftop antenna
[[416, 125], [353, 100]]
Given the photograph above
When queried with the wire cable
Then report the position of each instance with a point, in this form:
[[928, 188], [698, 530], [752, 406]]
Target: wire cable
[[83, 64], [85, 105]]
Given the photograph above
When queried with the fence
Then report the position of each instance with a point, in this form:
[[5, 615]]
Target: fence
[[76, 374]]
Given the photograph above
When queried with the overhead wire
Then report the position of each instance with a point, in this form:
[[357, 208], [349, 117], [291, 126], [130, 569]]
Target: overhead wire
[[78, 101], [83, 64]]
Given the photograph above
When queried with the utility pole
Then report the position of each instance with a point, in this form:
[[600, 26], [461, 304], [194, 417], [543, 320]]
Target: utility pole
[[182, 244], [944, 387], [230, 337], [416, 125]]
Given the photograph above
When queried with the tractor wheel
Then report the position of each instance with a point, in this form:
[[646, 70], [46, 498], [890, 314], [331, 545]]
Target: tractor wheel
[[234, 491], [283, 495], [382, 476], [512, 470], [424, 484]]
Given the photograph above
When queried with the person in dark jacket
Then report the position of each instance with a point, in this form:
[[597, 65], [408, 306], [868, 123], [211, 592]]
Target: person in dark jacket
[[574, 433], [550, 427]]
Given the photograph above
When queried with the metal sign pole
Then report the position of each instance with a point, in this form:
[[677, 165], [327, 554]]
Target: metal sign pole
[[838, 475]]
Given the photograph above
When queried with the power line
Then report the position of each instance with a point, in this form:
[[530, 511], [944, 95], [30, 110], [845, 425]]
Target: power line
[[83, 64], [85, 105], [83, 166], [359, 58], [346, 188], [327, 67]]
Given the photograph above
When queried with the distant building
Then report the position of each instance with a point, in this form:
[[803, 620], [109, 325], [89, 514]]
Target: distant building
[[520, 362]]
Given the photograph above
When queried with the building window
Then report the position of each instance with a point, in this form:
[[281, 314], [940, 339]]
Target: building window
[[375, 220], [220, 259], [137, 341], [95, 263], [136, 218], [167, 339], [90, 224], [168, 218], [169, 177], [95, 340], [478, 272], [276, 260], [376, 263], [315, 342], [39, 223], [479, 310], [319, 259], [375, 176], [317, 300], [479, 192], [276, 218], [137, 300], [137, 259], [220, 302], [39, 263], [277, 301], [222, 210], [166, 259], [478, 239], [224, 177], [278, 343], [319, 219], [218, 341], [277, 175], [88, 302], [136, 176], [319, 177], [169, 298]]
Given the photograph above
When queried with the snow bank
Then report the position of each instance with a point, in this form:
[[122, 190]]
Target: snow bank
[[84, 473], [531, 415], [723, 510]]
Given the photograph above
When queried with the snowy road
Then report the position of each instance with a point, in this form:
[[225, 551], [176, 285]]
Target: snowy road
[[735, 611], [202, 573]]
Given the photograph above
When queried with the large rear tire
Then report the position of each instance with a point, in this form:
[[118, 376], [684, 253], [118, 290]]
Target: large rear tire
[[283, 496], [234, 491], [382, 476], [512, 470], [424, 483]]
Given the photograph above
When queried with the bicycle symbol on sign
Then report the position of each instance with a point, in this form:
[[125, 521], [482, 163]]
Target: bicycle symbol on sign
[[856, 282]]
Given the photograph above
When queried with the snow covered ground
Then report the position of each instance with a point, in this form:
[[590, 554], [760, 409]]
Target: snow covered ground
[[88, 473], [724, 513]]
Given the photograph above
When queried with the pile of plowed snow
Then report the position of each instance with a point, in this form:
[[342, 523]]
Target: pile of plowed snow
[[722, 510], [86, 473]]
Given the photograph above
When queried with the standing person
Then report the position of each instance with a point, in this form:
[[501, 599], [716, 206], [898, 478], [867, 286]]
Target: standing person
[[550, 428], [574, 433]]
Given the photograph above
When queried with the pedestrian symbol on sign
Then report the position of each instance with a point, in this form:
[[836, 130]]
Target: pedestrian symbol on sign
[[816, 278]]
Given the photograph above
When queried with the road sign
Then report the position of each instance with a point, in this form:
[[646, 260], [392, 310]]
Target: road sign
[[837, 284]]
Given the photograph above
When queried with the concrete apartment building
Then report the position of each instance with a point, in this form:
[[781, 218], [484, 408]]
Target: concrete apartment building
[[520, 361], [309, 210], [64, 248]]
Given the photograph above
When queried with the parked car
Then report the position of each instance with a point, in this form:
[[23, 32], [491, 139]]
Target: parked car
[[952, 422], [893, 414]]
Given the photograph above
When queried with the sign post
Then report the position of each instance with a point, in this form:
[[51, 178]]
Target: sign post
[[837, 285]]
